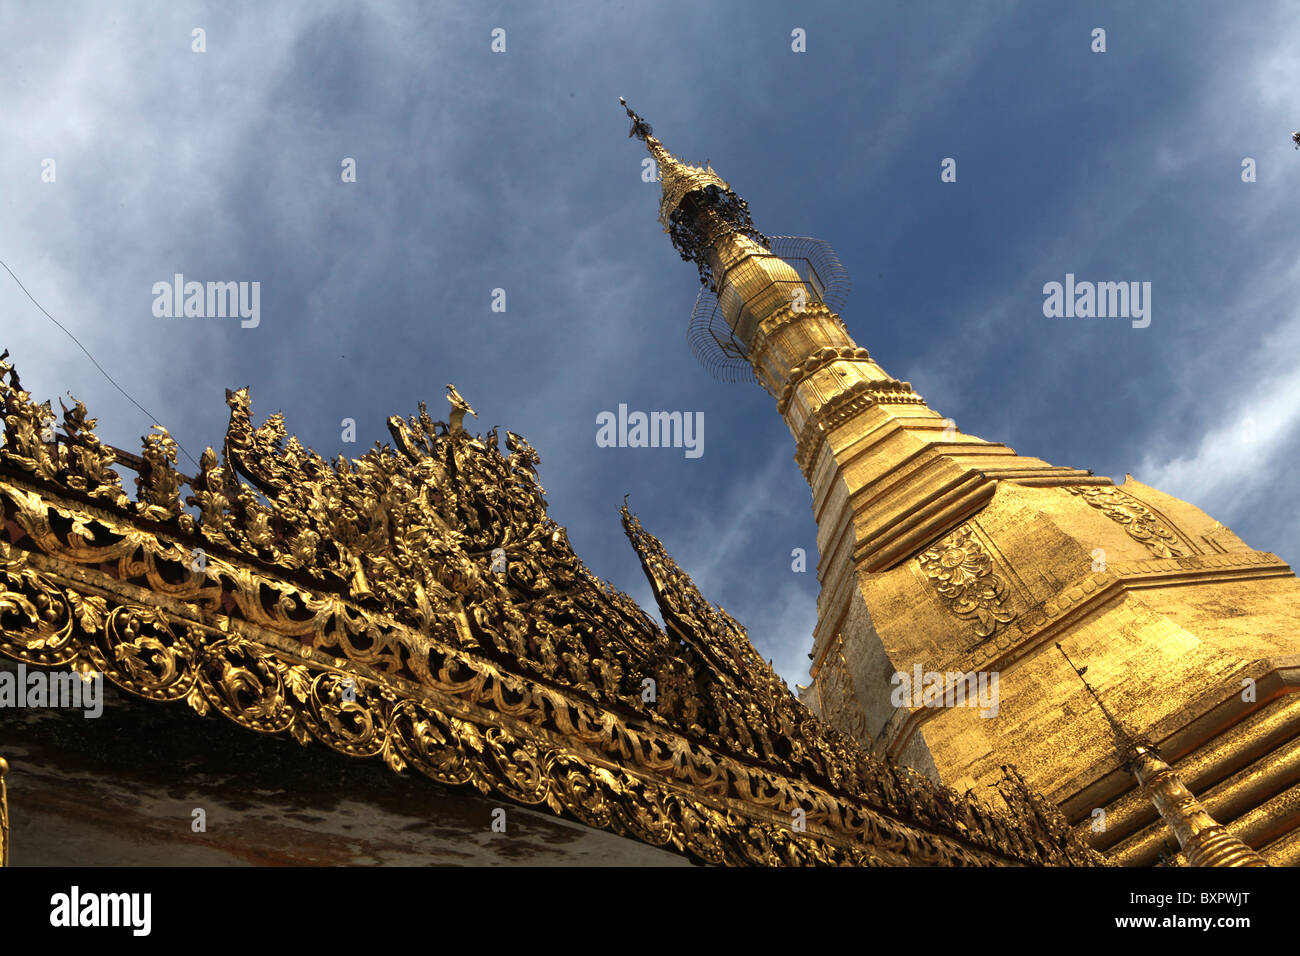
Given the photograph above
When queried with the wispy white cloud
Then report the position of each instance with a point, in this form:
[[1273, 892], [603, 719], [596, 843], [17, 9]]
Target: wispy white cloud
[[728, 548], [1246, 436]]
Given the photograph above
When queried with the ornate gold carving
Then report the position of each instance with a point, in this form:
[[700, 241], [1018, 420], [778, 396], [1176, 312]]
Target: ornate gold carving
[[961, 571], [4, 814], [82, 463], [787, 315], [1136, 518], [363, 604], [843, 709], [1036, 623]]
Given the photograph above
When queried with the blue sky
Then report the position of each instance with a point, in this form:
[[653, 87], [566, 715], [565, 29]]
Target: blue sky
[[479, 170]]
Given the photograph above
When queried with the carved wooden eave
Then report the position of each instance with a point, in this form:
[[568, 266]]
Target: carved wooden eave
[[418, 605]]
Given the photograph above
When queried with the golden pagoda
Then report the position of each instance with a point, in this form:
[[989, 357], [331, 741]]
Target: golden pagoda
[[416, 608], [950, 566]]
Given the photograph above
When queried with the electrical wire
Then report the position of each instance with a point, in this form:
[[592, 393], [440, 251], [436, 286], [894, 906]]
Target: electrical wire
[[150, 415]]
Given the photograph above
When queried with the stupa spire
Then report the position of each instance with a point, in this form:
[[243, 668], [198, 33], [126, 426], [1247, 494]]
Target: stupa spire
[[943, 553]]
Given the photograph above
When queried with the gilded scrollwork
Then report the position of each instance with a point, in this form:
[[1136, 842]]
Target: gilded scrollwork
[[962, 573], [841, 707], [37, 618], [417, 605], [1137, 519]]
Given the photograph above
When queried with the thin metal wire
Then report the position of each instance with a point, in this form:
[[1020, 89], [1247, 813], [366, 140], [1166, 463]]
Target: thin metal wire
[[152, 417], [711, 339]]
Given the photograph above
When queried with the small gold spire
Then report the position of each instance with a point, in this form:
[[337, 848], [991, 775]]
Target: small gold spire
[[1203, 840]]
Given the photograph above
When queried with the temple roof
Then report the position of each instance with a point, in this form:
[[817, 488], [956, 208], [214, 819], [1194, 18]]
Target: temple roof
[[418, 605]]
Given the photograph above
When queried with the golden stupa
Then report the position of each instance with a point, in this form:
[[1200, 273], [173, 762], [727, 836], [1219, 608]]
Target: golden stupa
[[1089, 674], [951, 566]]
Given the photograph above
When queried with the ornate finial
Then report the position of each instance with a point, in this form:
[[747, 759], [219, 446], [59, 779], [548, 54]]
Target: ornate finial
[[459, 408], [711, 197], [640, 128]]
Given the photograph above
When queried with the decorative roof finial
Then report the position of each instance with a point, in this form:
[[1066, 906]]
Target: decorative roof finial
[[459, 409]]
